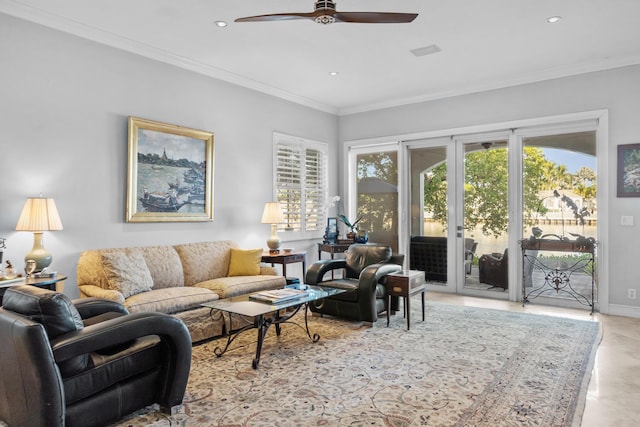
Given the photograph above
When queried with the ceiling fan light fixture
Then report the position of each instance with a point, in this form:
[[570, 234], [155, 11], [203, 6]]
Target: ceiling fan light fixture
[[325, 19]]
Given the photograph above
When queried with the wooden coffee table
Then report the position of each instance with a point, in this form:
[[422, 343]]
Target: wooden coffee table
[[405, 284]]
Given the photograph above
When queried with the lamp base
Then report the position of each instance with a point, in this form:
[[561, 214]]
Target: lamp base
[[39, 254], [274, 241]]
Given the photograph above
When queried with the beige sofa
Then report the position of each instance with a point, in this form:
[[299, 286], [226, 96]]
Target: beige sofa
[[176, 279]]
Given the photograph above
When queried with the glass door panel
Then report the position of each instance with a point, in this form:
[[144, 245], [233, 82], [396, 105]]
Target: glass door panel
[[377, 196], [485, 220], [429, 212], [559, 203]]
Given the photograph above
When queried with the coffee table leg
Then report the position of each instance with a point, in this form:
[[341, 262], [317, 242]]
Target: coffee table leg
[[262, 331], [315, 337], [406, 301], [422, 293]]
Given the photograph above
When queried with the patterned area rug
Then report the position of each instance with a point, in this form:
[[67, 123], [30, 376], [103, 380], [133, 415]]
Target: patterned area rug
[[463, 366]]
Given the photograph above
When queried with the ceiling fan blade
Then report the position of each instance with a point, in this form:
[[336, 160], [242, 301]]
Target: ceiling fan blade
[[375, 17], [277, 17]]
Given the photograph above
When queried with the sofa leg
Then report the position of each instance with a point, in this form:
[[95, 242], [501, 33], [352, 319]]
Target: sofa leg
[[173, 410]]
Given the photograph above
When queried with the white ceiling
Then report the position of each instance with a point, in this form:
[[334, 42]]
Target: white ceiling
[[485, 44]]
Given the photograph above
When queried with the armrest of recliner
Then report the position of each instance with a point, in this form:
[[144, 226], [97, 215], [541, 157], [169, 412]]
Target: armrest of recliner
[[317, 270], [121, 330], [172, 332], [90, 307], [372, 274]]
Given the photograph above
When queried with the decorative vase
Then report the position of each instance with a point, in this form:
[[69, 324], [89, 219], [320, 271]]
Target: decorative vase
[[351, 236], [362, 236]]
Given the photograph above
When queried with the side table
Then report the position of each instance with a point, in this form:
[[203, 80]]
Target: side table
[[332, 249], [51, 283], [286, 258], [405, 284]]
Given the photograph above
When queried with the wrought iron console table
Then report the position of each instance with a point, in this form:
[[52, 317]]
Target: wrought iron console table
[[558, 279]]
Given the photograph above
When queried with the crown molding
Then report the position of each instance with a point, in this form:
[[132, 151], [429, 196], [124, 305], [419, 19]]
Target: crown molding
[[39, 16], [549, 74], [97, 35]]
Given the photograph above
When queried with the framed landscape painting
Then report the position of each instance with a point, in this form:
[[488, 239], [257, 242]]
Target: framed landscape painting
[[170, 173], [629, 170]]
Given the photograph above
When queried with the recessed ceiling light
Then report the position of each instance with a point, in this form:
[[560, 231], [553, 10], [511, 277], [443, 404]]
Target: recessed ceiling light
[[333, 73], [221, 24], [553, 19]]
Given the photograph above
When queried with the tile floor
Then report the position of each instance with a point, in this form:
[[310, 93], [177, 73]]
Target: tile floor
[[613, 398]]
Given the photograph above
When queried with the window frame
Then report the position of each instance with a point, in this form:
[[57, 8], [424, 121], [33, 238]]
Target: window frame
[[312, 220]]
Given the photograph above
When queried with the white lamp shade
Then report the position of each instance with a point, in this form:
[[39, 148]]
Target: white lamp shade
[[272, 213], [39, 214]]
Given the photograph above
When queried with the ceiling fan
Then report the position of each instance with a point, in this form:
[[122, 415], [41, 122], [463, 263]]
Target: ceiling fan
[[326, 13]]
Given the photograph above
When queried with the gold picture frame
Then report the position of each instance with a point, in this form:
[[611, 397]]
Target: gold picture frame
[[169, 173]]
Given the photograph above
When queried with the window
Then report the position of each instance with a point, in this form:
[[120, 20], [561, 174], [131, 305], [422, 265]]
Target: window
[[300, 181]]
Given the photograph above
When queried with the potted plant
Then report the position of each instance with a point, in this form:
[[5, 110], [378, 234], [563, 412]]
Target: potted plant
[[352, 226]]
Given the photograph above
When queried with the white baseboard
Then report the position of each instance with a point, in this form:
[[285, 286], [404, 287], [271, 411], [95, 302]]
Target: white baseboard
[[624, 310]]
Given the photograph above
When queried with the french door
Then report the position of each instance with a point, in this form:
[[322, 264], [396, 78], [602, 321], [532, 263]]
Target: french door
[[458, 205], [459, 210]]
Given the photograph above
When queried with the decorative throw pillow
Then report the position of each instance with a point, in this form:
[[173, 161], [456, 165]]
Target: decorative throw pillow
[[127, 272], [245, 262]]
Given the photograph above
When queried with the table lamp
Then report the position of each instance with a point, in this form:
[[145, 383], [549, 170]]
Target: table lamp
[[39, 215], [272, 214]]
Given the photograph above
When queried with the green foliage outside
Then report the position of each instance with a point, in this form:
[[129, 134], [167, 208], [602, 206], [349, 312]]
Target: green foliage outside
[[375, 209], [486, 188]]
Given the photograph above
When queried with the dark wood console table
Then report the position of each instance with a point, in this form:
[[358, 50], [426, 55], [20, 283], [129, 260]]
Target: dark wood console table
[[556, 279], [285, 258], [332, 248]]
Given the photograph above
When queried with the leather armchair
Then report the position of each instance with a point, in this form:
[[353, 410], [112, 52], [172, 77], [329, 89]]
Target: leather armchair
[[365, 269], [86, 362], [494, 270]]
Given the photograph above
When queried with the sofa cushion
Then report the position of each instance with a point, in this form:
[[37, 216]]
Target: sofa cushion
[[227, 287], [127, 272], [169, 300], [164, 265], [204, 260], [245, 262]]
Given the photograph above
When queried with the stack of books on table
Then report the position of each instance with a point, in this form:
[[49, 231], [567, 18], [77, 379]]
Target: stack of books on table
[[278, 296]]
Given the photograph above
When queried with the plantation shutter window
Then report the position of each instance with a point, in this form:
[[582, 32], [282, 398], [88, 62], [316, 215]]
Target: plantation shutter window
[[300, 181]]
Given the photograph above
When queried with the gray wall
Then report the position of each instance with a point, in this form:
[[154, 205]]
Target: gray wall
[[616, 90], [64, 105]]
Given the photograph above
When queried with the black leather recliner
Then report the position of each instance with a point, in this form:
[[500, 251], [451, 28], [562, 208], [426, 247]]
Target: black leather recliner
[[87, 362], [494, 269], [365, 269]]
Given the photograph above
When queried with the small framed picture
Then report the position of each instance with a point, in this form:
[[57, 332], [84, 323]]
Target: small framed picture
[[331, 232], [628, 174], [332, 225]]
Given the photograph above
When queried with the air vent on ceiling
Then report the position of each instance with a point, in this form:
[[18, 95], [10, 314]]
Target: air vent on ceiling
[[426, 50]]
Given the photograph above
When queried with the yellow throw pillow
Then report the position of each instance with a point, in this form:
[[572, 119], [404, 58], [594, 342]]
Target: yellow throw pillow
[[245, 262]]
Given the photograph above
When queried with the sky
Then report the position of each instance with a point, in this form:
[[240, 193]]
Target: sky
[[571, 159], [177, 146]]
